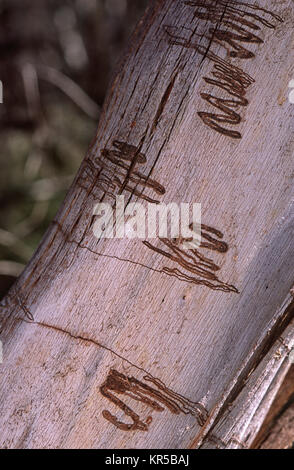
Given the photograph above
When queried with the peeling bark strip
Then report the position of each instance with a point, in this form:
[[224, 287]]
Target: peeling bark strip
[[156, 399], [115, 170], [226, 76], [195, 262]]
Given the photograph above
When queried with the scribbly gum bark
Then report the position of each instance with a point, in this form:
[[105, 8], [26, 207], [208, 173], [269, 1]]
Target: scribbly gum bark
[[128, 344]]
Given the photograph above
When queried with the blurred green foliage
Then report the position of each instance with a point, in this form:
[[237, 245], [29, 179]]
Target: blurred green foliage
[[45, 129], [35, 173]]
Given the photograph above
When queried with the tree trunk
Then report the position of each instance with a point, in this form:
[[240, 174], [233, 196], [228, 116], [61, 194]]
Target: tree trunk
[[120, 343]]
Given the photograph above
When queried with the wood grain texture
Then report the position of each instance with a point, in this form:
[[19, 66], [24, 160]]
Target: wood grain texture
[[277, 430], [243, 415], [85, 306]]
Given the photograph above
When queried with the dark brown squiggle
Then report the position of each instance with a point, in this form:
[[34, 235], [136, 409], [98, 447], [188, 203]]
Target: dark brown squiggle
[[226, 76], [227, 13], [193, 261], [115, 171], [235, 82], [155, 398]]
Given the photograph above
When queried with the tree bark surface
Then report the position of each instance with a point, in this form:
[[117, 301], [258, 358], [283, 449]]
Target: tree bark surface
[[116, 344]]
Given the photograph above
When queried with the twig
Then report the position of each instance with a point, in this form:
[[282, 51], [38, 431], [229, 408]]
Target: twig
[[70, 88]]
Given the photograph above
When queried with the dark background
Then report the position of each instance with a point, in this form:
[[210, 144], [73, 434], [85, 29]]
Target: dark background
[[56, 59]]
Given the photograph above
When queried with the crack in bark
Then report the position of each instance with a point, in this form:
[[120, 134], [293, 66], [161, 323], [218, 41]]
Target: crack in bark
[[163, 103], [83, 338], [155, 398], [175, 402], [174, 273]]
